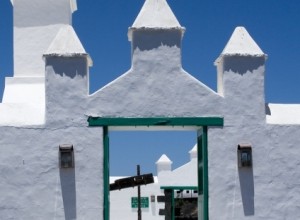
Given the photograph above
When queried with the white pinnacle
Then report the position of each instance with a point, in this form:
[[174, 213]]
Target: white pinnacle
[[241, 43], [164, 160], [66, 43], [155, 14]]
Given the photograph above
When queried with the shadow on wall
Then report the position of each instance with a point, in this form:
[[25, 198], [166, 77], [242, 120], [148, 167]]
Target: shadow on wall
[[247, 189], [148, 40], [243, 64], [68, 189], [68, 66]]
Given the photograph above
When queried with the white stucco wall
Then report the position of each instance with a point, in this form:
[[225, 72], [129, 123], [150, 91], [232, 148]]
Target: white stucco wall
[[156, 85], [268, 190], [33, 187], [32, 184], [32, 179]]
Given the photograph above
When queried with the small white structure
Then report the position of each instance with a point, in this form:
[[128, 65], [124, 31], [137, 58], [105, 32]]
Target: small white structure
[[249, 148], [181, 177]]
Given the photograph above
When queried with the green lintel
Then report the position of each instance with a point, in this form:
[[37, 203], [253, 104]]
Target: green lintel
[[180, 187], [161, 121]]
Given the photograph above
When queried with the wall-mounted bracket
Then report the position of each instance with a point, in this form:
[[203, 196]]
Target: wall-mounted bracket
[[244, 155], [66, 156]]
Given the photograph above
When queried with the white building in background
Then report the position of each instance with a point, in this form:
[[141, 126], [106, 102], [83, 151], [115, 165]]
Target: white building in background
[[54, 164], [183, 180]]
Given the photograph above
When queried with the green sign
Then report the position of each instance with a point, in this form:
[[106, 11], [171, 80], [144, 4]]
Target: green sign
[[144, 202]]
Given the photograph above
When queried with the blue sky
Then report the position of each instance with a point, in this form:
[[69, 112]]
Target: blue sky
[[102, 27]]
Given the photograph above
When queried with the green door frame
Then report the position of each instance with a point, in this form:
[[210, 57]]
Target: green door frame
[[198, 122], [173, 188]]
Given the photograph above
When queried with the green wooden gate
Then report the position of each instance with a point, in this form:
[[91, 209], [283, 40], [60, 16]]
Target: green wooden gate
[[199, 124]]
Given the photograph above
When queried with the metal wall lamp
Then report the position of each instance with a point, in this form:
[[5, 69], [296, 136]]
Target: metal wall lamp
[[66, 156], [244, 155]]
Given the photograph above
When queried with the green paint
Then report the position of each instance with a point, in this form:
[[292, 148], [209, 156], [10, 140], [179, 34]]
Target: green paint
[[200, 162], [106, 172], [144, 202], [205, 173], [163, 121], [202, 150], [200, 173]]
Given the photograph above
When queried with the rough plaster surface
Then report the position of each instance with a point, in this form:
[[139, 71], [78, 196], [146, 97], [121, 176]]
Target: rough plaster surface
[[29, 165], [32, 185], [268, 190], [64, 103], [156, 85]]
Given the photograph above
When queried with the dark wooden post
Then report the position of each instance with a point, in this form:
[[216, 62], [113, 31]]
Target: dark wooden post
[[139, 196], [168, 204]]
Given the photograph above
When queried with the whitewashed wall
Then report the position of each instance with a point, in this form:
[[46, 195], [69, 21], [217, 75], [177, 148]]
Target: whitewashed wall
[[33, 187], [156, 85], [268, 190]]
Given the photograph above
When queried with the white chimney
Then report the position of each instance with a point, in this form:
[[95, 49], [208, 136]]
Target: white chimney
[[163, 164]]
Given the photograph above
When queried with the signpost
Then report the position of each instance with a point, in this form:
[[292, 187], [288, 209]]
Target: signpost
[[144, 202], [133, 181], [139, 195], [138, 180]]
